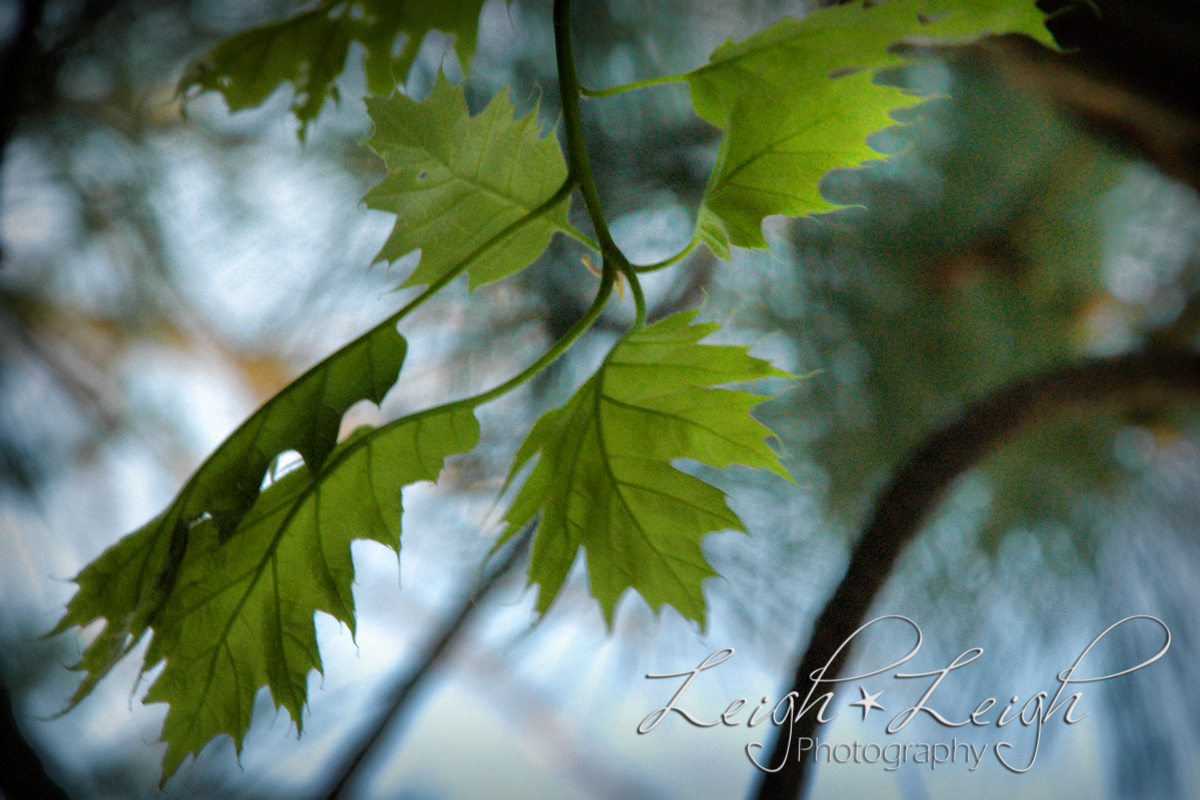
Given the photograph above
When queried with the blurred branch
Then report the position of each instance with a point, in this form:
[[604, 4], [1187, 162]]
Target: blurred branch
[[85, 393], [407, 684], [22, 773], [1164, 132], [550, 735], [1151, 378], [1129, 74], [18, 68]]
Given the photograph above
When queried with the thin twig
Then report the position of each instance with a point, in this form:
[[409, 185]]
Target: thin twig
[[406, 684]]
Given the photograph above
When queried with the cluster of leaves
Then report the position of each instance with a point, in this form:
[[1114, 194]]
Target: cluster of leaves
[[229, 576]]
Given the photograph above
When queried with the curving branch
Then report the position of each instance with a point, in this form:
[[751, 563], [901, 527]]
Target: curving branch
[[1151, 378], [22, 771]]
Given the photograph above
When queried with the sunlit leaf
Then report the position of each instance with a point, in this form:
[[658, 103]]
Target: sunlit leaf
[[241, 612], [604, 479], [772, 158], [458, 183], [128, 584], [462, 223], [797, 100]]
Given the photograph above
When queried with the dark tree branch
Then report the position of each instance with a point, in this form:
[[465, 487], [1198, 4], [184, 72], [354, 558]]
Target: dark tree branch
[[22, 774], [407, 684], [1150, 378], [18, 63]]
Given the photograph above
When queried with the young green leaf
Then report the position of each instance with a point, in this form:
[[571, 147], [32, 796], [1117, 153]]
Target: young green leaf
[[128, 584], [240, 615], [779, 145], [125, 586], [796, 100], [485, 190], [309, 51], [806, 51], [604, 480]]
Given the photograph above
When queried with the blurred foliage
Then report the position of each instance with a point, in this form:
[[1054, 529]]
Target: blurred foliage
[[973, 263], [310, 49]]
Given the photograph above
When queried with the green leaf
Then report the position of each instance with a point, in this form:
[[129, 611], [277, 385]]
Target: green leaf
[[796, 100], [850, 36], [241, 612], [604, 480], [485, 190], [778, 147], [309, 51], [125, 586], [128, 584]]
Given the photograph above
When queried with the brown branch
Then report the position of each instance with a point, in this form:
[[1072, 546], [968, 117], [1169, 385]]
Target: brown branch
[[1107, 106], [1149, 378]]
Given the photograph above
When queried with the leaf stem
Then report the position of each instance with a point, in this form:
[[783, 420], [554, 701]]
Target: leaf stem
[[580, 236], [629, 87], [639, 299], [550, 356], [339, 457], [666, 262], [467, 403], [177, 514], [581, 325], [577, 158], [563, 192]]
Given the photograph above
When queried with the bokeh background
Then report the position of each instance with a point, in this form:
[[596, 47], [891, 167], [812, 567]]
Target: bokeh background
[[168, 266]]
